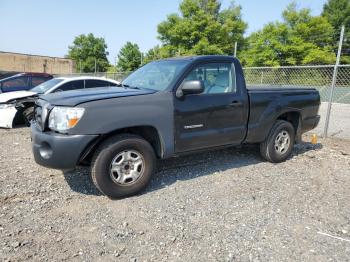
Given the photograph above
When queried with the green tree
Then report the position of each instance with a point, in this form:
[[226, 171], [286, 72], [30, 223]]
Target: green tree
[[338, 13], [112, 69], [88, 50], [298, 40], [201, 28], [129, 57], [159, 52]]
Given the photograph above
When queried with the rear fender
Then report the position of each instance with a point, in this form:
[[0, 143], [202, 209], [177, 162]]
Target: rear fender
[[258, 131]]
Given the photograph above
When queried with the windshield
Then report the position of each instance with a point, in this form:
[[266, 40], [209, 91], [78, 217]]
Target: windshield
[[42, 88], [156, 75]]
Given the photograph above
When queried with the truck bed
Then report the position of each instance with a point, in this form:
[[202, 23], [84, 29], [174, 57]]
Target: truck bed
[[267, 102]]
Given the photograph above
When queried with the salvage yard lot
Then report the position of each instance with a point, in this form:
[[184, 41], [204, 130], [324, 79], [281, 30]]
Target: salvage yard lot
[[219, 206]]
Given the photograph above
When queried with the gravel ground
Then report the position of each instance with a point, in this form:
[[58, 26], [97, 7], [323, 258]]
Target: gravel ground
[[227, 205]]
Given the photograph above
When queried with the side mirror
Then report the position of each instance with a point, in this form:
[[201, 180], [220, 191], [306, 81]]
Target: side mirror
[[190, 88]]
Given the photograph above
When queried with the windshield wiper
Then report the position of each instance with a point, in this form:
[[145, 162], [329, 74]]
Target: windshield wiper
[[131, 87], [134, 87]]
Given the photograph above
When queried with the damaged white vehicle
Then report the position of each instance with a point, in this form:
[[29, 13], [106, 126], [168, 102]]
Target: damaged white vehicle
[[16, 108]]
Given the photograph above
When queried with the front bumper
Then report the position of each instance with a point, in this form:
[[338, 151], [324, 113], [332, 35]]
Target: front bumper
[[58, 151]]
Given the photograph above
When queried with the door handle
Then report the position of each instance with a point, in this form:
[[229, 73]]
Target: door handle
[[236, 103]]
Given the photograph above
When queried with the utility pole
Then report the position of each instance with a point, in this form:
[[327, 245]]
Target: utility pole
[[95, 66], [141, 58], [235, 52], [334, 81], [80, 66]]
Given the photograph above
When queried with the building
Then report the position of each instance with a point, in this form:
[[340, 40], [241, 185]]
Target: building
[[15, 62]]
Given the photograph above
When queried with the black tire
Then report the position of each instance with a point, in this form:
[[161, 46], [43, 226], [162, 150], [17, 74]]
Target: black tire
[[268, 149], [105, 155]]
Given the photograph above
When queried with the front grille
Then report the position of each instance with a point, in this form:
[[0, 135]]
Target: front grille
[[41, 111]]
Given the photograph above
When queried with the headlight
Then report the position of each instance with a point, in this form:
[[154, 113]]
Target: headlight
[[4, 106], [63, 118]]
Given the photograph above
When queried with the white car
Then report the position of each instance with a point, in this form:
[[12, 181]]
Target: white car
[[17, 107]]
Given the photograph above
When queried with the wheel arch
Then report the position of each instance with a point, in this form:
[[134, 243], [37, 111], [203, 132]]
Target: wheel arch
[[149, 133], [18, 118], [293, 117]]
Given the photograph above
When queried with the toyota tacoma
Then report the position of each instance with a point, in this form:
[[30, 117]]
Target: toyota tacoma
[[164, 109]]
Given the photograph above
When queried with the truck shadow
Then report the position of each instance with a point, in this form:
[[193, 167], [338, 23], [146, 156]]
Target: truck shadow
[[187, 167], [80, 181]]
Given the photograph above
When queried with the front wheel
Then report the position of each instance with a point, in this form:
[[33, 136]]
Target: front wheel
[[279, 143], [123, 166]]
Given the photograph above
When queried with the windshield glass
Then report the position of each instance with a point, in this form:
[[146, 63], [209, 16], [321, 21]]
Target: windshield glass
[[156, 75], [42, 88]]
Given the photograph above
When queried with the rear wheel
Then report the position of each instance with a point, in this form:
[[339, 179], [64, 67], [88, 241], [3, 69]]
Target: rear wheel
[[123, 166], [279, 144]]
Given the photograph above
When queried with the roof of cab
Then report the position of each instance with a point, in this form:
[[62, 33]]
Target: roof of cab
[[198, 57], [26, 74], [85, 78]]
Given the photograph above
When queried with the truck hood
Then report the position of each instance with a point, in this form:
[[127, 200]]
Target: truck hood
[[76, 97], [8, 97]]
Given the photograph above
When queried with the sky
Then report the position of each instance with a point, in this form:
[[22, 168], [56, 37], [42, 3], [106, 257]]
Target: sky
[[44, 27]]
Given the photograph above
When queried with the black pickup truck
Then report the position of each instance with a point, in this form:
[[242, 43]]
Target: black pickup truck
[[167, 108]]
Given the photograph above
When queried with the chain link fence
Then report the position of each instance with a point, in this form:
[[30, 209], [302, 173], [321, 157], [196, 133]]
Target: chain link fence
[[319, 77]]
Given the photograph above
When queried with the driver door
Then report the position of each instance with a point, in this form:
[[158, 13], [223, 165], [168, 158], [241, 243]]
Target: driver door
[[215, 117]]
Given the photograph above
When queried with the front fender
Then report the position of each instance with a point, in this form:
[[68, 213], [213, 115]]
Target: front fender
[[104, 117], [7, 115]]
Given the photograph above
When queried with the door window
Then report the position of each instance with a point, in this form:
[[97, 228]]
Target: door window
[[37, 80], [217, 77], [97, 83], [19, 82], [72, 85]]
